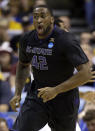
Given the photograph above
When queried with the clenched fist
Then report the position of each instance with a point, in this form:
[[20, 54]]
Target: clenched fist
[[15, 102]]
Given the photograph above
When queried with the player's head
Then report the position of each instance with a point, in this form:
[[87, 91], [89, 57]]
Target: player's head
[[89, 118], [43, 19]]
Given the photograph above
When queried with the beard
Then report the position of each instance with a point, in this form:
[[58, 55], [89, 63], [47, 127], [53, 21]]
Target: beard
[[47, 30], [44, 31]]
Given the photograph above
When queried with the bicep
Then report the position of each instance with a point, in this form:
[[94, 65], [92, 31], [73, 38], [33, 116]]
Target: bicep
[[23, 67], [85, 66]]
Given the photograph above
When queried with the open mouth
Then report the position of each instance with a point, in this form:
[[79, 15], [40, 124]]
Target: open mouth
[[40, 27]]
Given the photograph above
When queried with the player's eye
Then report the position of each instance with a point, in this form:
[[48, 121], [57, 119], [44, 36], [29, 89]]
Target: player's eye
[[43, 16], [36, 17]]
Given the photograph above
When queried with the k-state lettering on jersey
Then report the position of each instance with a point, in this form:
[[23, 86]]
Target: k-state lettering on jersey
[[53, 59]]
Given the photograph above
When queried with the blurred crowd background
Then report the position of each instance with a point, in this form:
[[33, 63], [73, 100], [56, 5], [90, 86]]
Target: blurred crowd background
[[75, 16]]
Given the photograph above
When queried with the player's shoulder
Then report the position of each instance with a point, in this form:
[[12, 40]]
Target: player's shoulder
[[28, 35], [62, 34], [65, 37]]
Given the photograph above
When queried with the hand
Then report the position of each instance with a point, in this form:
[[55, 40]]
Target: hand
[[15, 102], [89, 96], [47, 93], [93, 77]]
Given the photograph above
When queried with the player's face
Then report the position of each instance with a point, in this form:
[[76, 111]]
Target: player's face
[[42, 20]]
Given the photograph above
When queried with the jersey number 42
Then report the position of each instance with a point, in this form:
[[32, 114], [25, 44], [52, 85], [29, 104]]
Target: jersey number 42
[[39, 62]]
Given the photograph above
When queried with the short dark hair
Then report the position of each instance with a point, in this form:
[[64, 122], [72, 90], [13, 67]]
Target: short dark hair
[[90, 115], [44, 6]]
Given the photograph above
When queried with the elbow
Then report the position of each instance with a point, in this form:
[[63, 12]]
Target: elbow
[[87, 74], [86, 71]]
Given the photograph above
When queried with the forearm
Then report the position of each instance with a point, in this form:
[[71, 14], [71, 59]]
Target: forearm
[[21, 75], [78, 79]]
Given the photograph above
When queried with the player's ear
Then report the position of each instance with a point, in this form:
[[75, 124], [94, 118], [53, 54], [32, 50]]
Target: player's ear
[[52, 20]]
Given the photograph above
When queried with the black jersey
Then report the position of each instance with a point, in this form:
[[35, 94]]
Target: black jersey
[[53, 59]]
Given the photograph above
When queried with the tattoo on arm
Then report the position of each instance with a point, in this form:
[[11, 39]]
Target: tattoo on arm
[[22, 73]]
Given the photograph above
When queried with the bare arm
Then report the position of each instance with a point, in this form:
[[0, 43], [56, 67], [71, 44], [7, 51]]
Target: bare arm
[[23, 71], [84, 75]]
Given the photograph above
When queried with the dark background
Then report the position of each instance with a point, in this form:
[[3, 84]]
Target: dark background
[[76, 7]]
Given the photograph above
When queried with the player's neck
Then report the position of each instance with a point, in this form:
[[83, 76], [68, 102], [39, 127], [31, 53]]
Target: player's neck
[[46, 34]]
